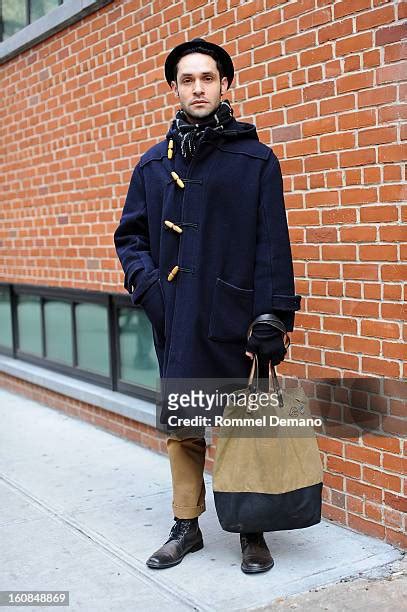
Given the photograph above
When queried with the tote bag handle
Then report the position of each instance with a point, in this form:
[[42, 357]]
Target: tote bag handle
[[274, 321], [273, 381]]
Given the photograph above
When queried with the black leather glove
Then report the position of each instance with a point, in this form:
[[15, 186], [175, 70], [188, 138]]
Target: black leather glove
[[268, 343]]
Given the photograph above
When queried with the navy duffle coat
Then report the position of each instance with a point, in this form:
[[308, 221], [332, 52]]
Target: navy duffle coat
[[233, 253]]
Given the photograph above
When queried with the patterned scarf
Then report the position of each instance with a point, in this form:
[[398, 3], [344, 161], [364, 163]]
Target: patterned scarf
[[189, 135]]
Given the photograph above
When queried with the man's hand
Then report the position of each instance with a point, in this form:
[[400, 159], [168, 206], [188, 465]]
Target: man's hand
[[268, 343]]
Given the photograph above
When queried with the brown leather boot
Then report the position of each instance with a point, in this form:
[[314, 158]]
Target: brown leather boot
[[256, 556], [185, 536]]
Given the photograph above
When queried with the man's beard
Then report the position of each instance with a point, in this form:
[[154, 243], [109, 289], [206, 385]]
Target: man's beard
[[201, 118]]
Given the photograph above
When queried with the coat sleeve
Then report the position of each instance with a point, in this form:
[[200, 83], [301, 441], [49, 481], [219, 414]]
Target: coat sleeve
[[274, 290], [131, 240]]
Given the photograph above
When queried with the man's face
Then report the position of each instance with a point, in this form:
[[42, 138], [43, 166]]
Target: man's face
[[198, 86]]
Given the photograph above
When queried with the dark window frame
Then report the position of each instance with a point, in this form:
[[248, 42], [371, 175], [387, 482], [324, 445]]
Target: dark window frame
[[112, 301]]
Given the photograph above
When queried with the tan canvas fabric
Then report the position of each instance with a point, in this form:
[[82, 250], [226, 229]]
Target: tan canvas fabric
[[277, 461], [187, 461]]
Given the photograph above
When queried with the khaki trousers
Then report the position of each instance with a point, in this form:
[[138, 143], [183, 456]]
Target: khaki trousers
[[187, 461]]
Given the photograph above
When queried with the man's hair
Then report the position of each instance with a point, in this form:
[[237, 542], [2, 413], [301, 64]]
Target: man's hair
[[199, 49]]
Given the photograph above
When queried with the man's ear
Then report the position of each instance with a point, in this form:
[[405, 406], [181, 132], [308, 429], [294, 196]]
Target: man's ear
[[174, 88], [223, 85]]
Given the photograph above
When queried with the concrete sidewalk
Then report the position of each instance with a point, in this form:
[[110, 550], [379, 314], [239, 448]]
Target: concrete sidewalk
[[82, 509]]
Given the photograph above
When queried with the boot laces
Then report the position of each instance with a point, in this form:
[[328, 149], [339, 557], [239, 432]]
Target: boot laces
[[180, 528]]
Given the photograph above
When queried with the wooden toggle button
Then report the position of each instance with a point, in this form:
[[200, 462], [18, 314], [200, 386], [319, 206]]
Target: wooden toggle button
[[172, 226], [170, 149], [177, 180], [173, 272]]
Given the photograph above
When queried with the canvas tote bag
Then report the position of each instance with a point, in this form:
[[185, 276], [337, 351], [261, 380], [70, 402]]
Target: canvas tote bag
[[267, 479]]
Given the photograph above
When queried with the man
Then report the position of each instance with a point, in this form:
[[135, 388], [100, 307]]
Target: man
[[204, 245]]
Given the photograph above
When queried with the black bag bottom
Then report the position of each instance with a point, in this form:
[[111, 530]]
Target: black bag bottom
[[255, 512]]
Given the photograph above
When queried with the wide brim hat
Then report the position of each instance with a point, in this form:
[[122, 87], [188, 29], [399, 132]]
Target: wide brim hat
[[223, 56]]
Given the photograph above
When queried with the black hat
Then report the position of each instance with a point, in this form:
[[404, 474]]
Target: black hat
[[222, 55]]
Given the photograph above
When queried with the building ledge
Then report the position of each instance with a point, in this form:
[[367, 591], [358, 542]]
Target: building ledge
[[131, 407]]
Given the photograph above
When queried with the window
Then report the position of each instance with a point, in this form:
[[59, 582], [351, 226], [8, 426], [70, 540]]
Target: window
[[6, 325], [92, 338], [58, 331], [29, 324], [137, 356], [99, 337], [39, 8], [24, 23], [16, 14]]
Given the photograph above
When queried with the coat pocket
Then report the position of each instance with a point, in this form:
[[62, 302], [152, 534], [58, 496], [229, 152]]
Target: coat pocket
[[231, 312], [153, 305]]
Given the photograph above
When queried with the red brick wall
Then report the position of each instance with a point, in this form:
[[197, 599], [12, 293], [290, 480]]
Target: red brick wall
[[322, 80]]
